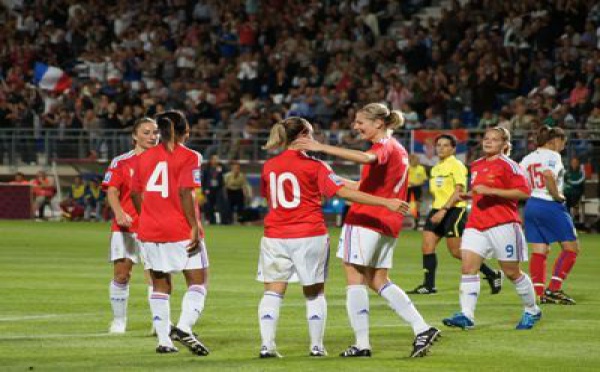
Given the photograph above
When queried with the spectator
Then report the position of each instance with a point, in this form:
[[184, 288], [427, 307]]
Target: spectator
[[236, 187], [43, 192], [212, 181]]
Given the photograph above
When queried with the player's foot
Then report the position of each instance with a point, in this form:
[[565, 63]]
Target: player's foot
[[353, 352], [266, 353], [161, 349], [173, 333], [190, 341], [495, 281], [422, 289], [557, 297], [317, 352], [529, 320], [459, 320], [118, 326], [423, 341]]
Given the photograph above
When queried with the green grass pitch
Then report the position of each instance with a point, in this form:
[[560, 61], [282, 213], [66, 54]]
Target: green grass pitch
[[54, 312]]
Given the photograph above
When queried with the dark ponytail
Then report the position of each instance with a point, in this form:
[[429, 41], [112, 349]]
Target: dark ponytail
[[172, 125], [546, 134]]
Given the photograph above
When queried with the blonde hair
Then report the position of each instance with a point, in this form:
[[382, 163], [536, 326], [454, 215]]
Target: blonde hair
[[285, 132], [392, 119], [505, 135]]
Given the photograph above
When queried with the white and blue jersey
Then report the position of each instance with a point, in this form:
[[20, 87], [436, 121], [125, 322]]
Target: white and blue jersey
[[546, 220]]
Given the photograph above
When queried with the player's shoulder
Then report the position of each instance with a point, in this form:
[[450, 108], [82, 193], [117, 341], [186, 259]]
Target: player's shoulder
[[477, 162], [121, 159], [510, 165], [190, 153]]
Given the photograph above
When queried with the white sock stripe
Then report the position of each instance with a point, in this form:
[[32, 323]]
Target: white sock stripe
[[197, 288], [519, 279], [559, 279], [274, 294], [159, 296], [120, 285]]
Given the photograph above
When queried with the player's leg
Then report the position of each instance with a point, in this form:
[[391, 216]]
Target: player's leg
[[268, 317], [357, 306], [562, 267], [161, 310], [316, 314], [398, 301], [119, 294], [537, 267], [430, 241]]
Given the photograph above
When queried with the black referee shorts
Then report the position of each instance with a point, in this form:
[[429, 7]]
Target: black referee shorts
[[451, 226]]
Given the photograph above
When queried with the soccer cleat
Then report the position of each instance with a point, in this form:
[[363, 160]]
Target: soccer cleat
[[318, 352], [173, 333], [266, 353], [495, 281], [166, 349], [422, 289], [529, 320], [556, 297], [459, 320], [190, 341], [423, 341], [118, 326], [354, 352]]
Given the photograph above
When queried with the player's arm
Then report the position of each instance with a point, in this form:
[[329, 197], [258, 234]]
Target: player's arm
[[121, 217], [512, 194], [394, 205], [137, 199], [552, 187], [450, 203], [351, 184], [186, 196], [356, 156]]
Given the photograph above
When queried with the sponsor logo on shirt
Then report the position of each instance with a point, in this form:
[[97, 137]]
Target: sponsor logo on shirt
[[107, 177], [552, 163], [336, 179], [196, 174]]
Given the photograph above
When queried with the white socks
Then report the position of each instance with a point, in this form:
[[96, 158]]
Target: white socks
[[357, 305], [403, 306], [525, 290], [161, 315], [316, 314], [119, 294], [470, 287], [191, 307], [268, 315]]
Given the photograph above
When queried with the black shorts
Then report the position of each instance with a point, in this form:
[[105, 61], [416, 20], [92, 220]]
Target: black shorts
[[416, 191], [451, 226]]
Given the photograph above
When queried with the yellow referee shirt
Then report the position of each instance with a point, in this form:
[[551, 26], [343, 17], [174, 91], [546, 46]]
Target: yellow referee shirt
[[416, 175], [445, 175]]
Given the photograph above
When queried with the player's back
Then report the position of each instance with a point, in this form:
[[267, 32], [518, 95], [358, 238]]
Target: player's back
[[293, 184], [159, 175], [535, 164], [387, 178]]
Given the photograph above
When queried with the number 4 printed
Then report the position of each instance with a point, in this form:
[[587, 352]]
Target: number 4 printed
[[159, 180]]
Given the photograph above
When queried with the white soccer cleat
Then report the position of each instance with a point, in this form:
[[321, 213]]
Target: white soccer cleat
[[118, 326]]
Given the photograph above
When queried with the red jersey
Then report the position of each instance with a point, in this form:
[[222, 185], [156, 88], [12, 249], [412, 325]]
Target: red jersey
[[500, 173], [118, 175], [159, 175], [293, 184], [387, 178]]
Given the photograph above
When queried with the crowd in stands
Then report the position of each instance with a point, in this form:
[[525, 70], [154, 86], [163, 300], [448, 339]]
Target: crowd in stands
[[237, 66]]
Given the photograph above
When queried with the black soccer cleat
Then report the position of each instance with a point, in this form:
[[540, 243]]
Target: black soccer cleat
[[423, 341], [495, 281], [355, 352], [166, 349], [556, 297], [266, 353], [190, 341], [424, 290]]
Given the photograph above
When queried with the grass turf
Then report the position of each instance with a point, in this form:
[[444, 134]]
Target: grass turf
[[54, 312]]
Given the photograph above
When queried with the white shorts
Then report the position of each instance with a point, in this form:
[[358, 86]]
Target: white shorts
[[173, 257], [291, 260], [504, 242], [124, 245], [365, 247]]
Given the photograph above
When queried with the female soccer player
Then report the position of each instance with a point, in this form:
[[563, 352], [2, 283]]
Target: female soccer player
[[164, 182], [547, 219], [124, 248], [494, 229], [369, 233], [295, 245], [448, 215]]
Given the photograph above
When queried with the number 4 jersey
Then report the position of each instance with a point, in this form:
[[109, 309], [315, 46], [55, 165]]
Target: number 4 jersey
[[536, 163], [293, 184], [159, 175]]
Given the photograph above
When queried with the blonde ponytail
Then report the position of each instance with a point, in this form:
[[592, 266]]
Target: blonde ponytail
[[277, 137]]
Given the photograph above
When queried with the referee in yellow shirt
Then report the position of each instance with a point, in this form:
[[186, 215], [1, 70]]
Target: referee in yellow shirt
[[417, 175], [448, 214]]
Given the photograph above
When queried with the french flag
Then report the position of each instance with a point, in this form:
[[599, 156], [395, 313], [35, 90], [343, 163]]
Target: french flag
[[51, 78]]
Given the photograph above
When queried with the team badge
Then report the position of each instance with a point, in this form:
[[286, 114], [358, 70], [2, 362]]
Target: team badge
[[196, 174], [552, 163], [107, 177]]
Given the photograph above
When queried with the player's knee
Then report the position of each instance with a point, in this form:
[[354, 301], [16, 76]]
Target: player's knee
[[122, 277]]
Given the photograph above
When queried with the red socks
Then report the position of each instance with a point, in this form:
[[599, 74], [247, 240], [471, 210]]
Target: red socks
[[537, 271], [562, 267]]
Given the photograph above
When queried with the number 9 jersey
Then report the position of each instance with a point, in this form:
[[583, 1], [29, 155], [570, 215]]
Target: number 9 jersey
[[536, 163], [293, 184], [159, 175]]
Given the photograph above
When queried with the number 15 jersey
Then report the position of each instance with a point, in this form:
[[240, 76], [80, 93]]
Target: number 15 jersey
[[159, 175], [293, 184], [535, 164]]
